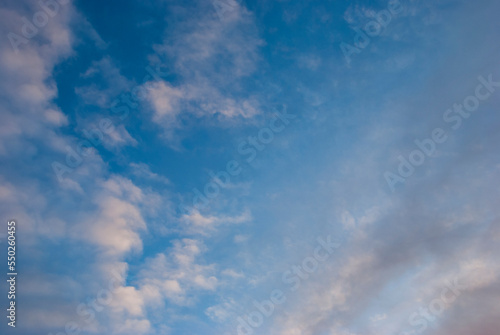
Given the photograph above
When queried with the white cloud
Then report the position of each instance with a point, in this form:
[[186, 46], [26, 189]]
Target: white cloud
[[199, 224], [27, 88], [142, 170], [133, 326], [111, 84], [222, 312], [232, 273], [175, 275], [119, 137], [165, 100], [129, 299], [116, 225], [197, 48]]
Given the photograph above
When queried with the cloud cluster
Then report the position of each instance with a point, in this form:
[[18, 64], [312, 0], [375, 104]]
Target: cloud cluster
[[211, 57]]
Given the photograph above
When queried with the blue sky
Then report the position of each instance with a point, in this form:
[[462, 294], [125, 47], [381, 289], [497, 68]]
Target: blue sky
[[174, 166]]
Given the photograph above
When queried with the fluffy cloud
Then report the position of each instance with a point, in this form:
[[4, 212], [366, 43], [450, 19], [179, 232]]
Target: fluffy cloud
[[175, 275], [212, 55]]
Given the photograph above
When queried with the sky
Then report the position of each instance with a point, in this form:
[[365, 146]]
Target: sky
[[238, 167]]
